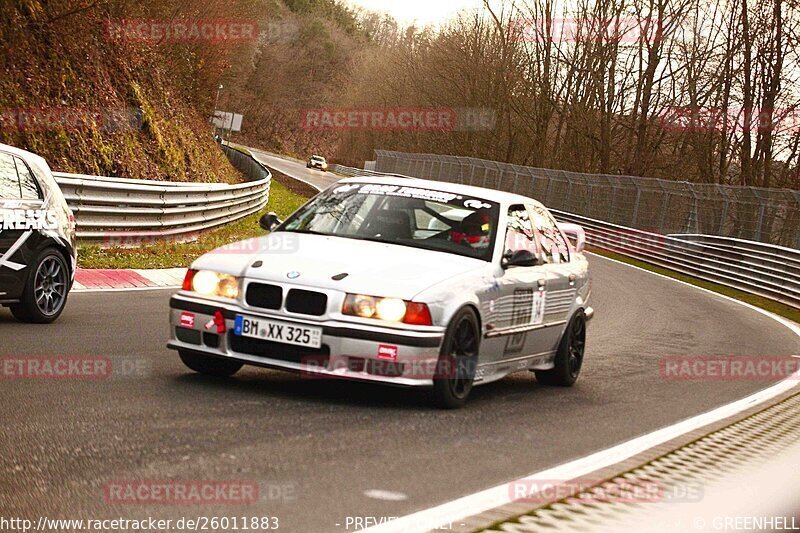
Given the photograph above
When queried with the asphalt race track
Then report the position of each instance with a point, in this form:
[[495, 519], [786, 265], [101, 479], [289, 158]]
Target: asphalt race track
[[332, 442], [314, 177]]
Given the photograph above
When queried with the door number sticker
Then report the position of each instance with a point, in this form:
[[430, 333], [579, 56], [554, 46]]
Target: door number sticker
[[537, 312]]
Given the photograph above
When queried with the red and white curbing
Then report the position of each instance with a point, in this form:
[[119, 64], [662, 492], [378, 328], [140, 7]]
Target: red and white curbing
[[127, 279]]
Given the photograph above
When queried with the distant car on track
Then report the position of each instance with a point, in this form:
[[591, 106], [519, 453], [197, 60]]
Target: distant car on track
[[399, 281], [37, 238], [317, 161]]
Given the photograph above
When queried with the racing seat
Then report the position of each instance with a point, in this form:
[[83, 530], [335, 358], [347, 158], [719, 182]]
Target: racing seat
[[390, 224]]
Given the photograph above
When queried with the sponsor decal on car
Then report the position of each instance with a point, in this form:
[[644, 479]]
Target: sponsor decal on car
[[28, 219], [387, 352], [187, 320]]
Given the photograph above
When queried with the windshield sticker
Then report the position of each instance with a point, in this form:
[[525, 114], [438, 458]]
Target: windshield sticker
[[476, 204], [415, 193]]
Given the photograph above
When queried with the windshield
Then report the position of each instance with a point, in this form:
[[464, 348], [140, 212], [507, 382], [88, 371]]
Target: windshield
[[408, 216]]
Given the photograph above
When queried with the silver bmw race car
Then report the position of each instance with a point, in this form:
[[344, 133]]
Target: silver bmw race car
[[394, 280]]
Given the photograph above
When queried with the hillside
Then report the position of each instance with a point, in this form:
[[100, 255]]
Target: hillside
[[94, 104]]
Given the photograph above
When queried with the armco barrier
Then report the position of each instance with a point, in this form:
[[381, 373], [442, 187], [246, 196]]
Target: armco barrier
[[107, 208], [769, 271], [352, 172], [754, 267]]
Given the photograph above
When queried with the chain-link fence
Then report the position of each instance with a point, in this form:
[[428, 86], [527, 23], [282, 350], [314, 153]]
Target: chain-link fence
[[659, 206]]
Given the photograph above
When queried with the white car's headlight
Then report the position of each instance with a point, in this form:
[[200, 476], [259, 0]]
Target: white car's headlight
[[209, 283], [388, 309]]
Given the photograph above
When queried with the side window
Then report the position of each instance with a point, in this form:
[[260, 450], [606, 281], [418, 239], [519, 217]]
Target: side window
[[9, 183], [519, 235], [551, 241], [27, 182]]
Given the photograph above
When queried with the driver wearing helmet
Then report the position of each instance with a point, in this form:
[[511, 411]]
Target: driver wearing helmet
[[473, 231]]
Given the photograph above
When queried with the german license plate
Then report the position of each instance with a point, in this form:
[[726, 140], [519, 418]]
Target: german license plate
[[275, 331]]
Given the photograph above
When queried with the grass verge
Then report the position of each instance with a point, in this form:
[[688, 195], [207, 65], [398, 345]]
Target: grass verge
[[177, 254], [764, 303]]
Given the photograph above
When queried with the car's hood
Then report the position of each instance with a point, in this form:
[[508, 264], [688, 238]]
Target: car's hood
[[314, 260]]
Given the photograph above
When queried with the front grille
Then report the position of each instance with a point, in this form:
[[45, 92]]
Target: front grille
[[189, 336], [264, 296], [282, 352], [307, 302], [211, 339]]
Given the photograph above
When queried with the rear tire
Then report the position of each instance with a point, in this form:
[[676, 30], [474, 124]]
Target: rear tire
[[458, 361], [209, 365], [569, 357], [46, 289]]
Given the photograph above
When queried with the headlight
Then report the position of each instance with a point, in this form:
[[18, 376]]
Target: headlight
[[208, 283], [388, 309]]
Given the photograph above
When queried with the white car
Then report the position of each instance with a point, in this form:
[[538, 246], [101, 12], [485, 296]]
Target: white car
[[394, 280], [317, 161]]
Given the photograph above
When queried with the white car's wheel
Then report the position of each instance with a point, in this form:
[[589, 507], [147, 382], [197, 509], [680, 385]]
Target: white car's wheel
[[46, 289], [458, 360], [569, 358]]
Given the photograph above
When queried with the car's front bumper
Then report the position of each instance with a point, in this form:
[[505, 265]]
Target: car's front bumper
[[349, 351]]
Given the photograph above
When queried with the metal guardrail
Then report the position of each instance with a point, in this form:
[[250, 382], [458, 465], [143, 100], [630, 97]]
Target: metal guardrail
[[754, 267], [111, 209], [353, 172], [769, 271]]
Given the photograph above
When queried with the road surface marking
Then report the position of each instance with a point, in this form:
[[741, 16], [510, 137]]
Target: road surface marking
[[386, 495], [473, 504]]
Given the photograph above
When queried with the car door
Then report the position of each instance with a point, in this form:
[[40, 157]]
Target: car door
[[19, 193], [557, 269], [516, 309]]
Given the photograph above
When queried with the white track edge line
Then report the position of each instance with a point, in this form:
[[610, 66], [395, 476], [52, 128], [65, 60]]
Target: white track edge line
[[466, 506]]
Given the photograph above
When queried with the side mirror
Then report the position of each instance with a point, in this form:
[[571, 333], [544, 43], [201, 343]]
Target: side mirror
[[520, 258], [576, 232], [270, 221]]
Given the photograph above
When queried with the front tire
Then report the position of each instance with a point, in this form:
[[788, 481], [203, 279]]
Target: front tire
[[458, 359], [209, 365], [569, 358], [45, 294]]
